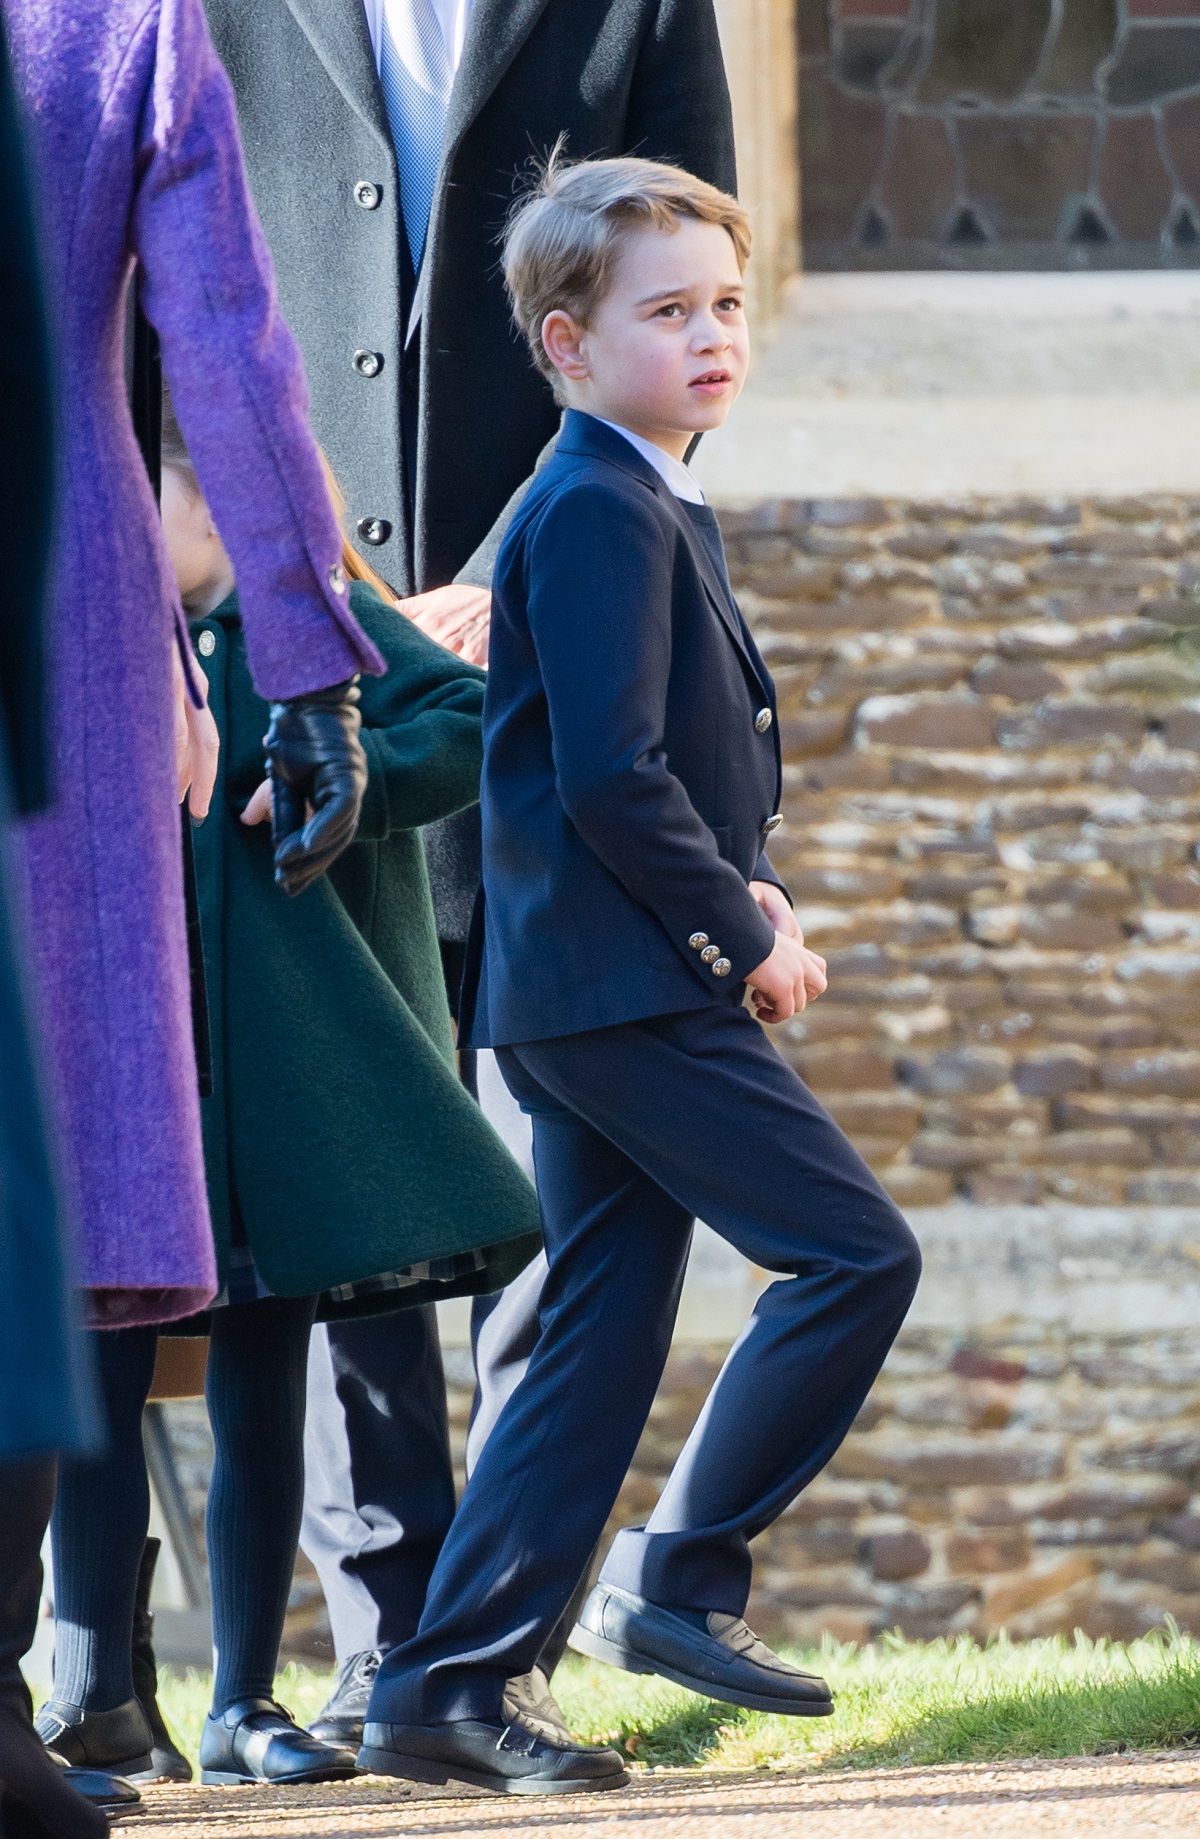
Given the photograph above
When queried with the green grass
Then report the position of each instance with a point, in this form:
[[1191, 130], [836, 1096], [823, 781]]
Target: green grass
[[898, 1702]]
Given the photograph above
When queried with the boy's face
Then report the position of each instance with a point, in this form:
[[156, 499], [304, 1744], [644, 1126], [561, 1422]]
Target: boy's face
[[667, 348]]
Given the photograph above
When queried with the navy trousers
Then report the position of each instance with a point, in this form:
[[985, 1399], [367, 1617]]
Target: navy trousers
[[638, 1130]]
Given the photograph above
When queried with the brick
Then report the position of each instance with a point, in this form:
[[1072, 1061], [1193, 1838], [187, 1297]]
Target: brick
[[950, 721], [840, 772], [974, 1552], [950, 1070], [822, 731], [1086, 1187], [1074, 724], [1051, 1071], [1165, 1188], [916, 1187], [851, 682], [835, 1069], [897, 1555], [1003, 1187], [932, 1149], [1157, 1562], [1181, 1528], [1172, 1452], [811, 611], [1181, 727], [1112, 1148], [877, 1113], [1151, 540], [838, 513], [1163, 1070], [1158, 775], [950, 1462], [1018, 682], [924, 542], [1007, 1597], [954, 1402], [1180, 891], [1065, 928], [1088, 573], [953, 889], [844, 879]]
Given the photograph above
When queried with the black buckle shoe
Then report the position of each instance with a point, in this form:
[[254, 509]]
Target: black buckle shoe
[[167, 1761], [340, 1719], [704, 1650], [508, 1758], [256, 1740], [117, 1741]]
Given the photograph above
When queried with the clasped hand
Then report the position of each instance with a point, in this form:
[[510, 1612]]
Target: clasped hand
[[792, 975]]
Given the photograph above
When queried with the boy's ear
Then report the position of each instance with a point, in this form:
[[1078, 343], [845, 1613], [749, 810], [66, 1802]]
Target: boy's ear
[[562, 341]]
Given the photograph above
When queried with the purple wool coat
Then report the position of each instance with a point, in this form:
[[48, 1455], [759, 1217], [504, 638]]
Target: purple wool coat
[[135, 155]]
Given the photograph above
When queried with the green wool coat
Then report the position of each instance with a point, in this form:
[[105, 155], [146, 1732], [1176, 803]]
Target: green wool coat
[[337, 1117]]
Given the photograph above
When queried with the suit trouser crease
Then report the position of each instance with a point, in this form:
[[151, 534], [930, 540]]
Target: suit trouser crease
[[638, 1129]]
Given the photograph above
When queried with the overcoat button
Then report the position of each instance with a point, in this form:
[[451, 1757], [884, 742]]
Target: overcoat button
[[762, 721], [709, 953], [722, 967], [772, 823], [374, 530], [206, 644], [368, 195], [337, 578], [368, 363], [698, 941]]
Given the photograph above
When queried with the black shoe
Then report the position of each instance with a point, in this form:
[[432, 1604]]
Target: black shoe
[[167, 1761], [256, 1740], [117, 1741], [340, 1719], [509, 1758], [529, 1698], [710, 1653]]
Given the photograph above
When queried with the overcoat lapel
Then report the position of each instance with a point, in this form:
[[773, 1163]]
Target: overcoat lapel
[[341, 39], [496, 33]]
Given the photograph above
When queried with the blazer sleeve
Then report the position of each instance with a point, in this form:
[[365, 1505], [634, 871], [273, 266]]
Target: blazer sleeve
[[599, 597], [679, 108], [236, 376], [422, 727]]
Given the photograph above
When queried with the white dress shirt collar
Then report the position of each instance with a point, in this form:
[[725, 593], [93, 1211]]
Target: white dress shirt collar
[[671, 471]]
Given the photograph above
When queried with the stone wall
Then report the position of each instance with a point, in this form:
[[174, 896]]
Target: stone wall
[[991, 726]]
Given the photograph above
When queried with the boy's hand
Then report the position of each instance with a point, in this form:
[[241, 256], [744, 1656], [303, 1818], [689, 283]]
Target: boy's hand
[[777, 907], [792, 976], [786, 981], [457, 617], [197, 743], [258, 811]]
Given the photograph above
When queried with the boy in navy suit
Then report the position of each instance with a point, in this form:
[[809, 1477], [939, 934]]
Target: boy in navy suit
[[631, 778]]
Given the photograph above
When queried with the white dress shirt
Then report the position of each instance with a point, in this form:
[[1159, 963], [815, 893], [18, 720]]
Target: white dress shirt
[[672, 471], [453, 16]]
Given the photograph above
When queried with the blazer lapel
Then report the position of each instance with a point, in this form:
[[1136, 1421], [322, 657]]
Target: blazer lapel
[[714, 587], [341, 39]]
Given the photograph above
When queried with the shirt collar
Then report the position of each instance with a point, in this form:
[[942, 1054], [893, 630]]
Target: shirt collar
[[671, 471]]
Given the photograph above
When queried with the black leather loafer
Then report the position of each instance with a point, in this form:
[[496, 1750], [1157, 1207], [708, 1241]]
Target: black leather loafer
[[117, 1741], [509, 1758], [710, 1653], [256, 1740], [341, 1718]]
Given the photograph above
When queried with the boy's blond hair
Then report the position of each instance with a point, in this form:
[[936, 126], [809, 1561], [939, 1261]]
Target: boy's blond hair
[[564, 236]]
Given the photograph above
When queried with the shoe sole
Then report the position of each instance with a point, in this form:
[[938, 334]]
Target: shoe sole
[[599, 1647], [228, 1778], [127, 1768], [437, 1774]]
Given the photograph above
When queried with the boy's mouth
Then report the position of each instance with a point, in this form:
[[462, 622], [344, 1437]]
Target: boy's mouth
[[711, 382]]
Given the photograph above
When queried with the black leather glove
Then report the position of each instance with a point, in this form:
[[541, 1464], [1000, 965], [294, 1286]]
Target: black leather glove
[[316, 759]]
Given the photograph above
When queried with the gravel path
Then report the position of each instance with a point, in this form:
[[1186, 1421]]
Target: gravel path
[[1090, 1798]]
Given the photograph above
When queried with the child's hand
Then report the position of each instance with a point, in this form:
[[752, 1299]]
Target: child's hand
[[197, 743], [258, 811], [457, 617], [786, 981], [777, 907]]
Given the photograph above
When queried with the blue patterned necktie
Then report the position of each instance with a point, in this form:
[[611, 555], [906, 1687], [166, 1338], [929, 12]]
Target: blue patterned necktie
[[416, 77]]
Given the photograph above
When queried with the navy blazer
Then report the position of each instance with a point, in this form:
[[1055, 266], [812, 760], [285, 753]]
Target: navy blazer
[[631, 759]]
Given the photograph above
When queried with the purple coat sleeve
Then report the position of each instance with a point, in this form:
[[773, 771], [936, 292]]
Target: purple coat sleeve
[[236, 377]]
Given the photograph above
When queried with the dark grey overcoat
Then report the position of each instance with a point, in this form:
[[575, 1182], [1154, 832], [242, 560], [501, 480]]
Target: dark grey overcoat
[[614, 76]]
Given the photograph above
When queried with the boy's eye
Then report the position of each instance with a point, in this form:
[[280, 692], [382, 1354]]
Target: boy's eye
[[731, 304], [672, 310]]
